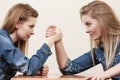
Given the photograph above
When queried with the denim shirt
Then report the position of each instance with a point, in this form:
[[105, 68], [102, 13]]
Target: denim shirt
[[84, 62], [12, 59]]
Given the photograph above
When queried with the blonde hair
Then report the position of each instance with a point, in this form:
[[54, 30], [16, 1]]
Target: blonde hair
[[110, 28], [18, 13]]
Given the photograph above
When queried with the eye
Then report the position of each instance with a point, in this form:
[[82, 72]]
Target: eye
[[31, 26], [88, 24]]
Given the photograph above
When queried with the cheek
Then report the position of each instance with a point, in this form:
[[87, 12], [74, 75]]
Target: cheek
[[25, 30], [93, 30], [98, 32], [22, 33]]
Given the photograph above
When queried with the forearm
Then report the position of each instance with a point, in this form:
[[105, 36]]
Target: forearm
[[60, 54], [37, 60], [113, 71], [49, 42]]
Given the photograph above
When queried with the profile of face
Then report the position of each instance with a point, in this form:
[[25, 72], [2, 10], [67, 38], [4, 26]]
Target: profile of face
[[92, 27], [26, 29]]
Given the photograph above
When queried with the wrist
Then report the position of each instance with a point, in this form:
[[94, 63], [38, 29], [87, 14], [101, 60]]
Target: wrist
[[106, 75], [49, 42], [59, 41]]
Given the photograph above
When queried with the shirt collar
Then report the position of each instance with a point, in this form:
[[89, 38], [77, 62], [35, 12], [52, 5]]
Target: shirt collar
[[5, 33]]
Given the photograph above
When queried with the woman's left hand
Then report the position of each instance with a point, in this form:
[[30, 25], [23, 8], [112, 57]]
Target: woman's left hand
[[43, 71], [54, 33], [98, 76]]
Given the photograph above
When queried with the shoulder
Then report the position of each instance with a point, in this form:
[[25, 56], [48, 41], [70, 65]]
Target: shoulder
[[5, 42]]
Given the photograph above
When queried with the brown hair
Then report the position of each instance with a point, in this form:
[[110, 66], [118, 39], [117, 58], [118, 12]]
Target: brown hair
[[18, 13]]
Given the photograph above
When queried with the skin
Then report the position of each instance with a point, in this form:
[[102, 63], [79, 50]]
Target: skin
[[25, 30], [92, 27], [113, 71], [43, 71], [94, 30]]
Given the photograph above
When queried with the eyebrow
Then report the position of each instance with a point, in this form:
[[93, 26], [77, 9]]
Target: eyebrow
[[32, 25], [87, 22]]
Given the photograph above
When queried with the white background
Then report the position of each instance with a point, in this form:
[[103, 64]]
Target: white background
[[64, 14]]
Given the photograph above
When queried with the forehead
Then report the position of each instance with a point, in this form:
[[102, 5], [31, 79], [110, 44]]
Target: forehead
[[31, 20], [88, 18]]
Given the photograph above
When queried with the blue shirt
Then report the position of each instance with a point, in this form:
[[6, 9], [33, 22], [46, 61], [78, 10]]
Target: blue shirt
[[84, 62], [12, 59]]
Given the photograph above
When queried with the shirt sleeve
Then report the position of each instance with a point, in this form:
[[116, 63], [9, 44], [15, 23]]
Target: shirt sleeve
[[79, 64], [15, 58]]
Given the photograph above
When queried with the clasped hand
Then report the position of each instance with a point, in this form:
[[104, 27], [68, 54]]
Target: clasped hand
[[54, 33]]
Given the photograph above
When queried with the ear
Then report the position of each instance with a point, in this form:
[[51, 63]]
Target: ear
[[17, 25]]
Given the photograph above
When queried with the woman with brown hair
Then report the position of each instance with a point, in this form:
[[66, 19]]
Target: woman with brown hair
[[17, 28]]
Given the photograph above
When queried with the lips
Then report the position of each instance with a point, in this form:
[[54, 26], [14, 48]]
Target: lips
[[29, 36], [90, 34]]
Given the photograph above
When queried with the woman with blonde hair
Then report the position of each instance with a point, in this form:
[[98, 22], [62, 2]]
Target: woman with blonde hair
[[17, 28], [104, 29]]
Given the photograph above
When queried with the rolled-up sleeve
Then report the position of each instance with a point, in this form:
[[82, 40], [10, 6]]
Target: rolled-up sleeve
[[15, 58], [79, 64]]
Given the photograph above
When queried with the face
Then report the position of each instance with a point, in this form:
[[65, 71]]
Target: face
[[92, 27], [26, 29]]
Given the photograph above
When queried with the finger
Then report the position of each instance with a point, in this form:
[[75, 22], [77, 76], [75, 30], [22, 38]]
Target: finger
[[58, 30], [48, 35], [52, 27], [50, 31], [105, 79], [99, 78], [94, 78], [88, 77], [45, 66], [45, 71], [43, 74]]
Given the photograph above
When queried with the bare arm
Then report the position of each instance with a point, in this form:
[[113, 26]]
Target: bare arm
[[53, 34], [49, 41], [60, 54], [113, 71]]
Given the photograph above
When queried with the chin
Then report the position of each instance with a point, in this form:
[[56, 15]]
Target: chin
[[96, 39], [25, 39]]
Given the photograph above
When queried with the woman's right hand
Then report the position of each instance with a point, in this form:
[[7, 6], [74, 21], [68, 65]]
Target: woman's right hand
[[53, 34]]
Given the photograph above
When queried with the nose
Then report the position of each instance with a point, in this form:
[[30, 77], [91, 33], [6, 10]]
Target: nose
[[32, 32], [87, 31]]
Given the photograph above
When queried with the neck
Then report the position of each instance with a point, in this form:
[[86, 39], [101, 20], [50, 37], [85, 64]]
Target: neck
[[14, 37]]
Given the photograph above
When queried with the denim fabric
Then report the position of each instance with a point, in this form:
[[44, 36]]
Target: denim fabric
[[84, 62], [12, 59]]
